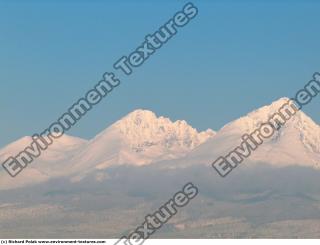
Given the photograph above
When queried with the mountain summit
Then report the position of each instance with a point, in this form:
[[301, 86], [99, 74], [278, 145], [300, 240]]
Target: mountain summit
[[144, 130], [295, 143], [141, 138]]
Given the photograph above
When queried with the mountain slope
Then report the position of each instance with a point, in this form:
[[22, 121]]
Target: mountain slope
[[50, 164], [54, 152], [140, 138], [296, 143]]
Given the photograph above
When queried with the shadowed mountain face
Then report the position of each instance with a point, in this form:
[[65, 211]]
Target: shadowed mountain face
[[101, 187]]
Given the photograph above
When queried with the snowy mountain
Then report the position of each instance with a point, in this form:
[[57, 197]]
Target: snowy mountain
[[50, 164], [296, 143], [57, 151], [142, 138], [139, 138]]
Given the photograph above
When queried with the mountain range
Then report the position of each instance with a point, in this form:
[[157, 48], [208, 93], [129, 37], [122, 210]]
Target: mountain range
[[141, 138]]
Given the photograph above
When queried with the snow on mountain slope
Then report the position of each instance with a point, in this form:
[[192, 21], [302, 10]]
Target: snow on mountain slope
[[61, 145], [49, 164], [296, 143], [140, 138]]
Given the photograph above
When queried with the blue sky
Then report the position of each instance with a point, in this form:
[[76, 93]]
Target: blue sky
[[235, 56]]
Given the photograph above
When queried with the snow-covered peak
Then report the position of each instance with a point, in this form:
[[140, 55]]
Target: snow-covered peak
[[254, 119], [140, 114], [296, 142], [140, 138], [265, 112], [300, 123], [142, 129]]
